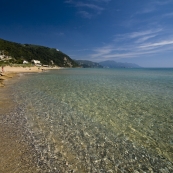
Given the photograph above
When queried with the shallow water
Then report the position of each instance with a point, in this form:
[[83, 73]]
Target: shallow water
[[100, 120], [17, 154]]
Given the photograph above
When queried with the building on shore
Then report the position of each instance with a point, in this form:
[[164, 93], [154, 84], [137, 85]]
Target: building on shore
[[36, 62]]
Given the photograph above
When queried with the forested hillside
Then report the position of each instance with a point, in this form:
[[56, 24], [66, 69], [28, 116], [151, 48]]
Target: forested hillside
[[19, 52]]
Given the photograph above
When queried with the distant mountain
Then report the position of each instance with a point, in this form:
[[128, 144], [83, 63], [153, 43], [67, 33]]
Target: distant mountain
[[113, 64], [88, 64], [28, 52]]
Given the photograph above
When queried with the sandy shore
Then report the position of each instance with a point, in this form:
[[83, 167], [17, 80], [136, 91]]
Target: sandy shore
[[10, 72], [8, 69], [16, 148]]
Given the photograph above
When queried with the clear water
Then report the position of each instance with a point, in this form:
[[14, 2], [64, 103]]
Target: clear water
[[100, 120]]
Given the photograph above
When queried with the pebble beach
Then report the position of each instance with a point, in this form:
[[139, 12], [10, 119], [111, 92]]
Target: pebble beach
[[16, 146]]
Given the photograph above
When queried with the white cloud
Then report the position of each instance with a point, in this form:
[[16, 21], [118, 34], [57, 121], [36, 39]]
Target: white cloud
[[145, 38], [138, 36], [102, 51], [91, 6], [143, 33], [146, 10], [154, 6], [135, 44], [161, 2], [157, 44], [88, 9]]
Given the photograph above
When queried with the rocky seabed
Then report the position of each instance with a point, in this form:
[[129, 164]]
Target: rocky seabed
[[69, 141]]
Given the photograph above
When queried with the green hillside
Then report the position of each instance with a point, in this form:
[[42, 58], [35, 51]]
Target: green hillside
[[19, 52]]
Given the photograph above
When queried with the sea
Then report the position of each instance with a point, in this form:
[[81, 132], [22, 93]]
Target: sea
[[99, 120]]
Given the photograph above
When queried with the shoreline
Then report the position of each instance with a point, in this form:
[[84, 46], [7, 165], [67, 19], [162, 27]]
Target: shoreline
[[16, 146], [26, 150], [10, 72]]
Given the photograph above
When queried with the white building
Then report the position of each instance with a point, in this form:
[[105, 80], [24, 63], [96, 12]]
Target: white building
[[36, 62], [25, 62], [1, 57]]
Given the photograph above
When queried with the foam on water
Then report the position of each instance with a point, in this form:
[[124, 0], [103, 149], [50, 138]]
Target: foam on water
[[100, 120]]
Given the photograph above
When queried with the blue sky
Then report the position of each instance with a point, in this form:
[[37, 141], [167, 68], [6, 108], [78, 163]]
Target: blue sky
[[134, 31]]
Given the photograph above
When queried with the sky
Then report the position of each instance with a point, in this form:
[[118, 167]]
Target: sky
[[134, 31]]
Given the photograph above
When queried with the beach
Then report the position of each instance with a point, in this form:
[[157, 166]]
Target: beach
[[10, 72], [22, 69], [16, 148], [87, 120]]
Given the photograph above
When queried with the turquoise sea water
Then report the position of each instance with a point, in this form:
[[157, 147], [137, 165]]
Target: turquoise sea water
[[100, 120]]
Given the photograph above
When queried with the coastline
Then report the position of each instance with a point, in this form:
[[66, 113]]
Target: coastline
[[16, 146], [35, 151], [10, 72]]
